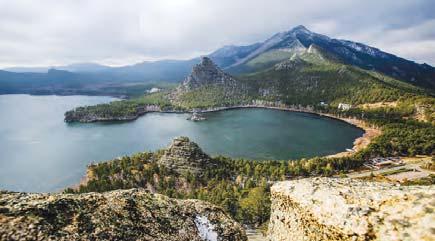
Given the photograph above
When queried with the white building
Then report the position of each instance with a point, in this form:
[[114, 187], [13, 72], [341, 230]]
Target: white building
[[153, 90], [343, 106]]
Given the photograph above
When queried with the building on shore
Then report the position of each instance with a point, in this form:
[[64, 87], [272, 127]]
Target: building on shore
[[381, 162], [344, 107], [153, 90]]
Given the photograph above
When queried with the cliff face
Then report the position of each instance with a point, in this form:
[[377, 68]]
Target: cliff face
[[348, 209], [118, 215]]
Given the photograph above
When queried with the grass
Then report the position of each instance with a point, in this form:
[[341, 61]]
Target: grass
[[269, 58], [392, 172], [426, 181]]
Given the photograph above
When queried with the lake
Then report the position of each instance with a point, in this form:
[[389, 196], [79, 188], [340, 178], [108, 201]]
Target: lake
[[39, 152]]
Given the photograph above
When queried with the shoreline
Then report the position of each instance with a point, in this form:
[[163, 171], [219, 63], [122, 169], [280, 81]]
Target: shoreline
[[370, 132]]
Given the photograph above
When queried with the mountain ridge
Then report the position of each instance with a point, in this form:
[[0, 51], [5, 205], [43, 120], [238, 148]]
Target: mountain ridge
[[349, 52]]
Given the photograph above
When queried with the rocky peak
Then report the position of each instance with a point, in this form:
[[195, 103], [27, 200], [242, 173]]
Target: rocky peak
[[301, 29], [183, 156], [207, 62], [117, 215], [206, 73]]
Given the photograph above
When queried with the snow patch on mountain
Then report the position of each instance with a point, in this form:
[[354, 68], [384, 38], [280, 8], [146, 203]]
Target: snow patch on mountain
[[362, 48]]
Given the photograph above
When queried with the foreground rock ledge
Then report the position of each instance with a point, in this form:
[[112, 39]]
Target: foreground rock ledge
[[348, 209], [118, 215]]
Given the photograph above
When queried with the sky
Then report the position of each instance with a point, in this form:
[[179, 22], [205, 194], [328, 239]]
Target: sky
[[59, 32]]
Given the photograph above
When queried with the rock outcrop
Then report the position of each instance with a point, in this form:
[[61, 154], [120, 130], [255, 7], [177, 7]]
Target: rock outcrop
[[118, 215], [183, 156], [348, 209], [209, 86], [207, 73]]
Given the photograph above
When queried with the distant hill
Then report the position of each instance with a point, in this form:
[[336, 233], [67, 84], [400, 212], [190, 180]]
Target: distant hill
[[78, 67], [91, 79]]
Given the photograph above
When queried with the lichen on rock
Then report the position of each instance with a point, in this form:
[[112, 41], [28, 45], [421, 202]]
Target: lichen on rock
[[349, 209], [132, 214]]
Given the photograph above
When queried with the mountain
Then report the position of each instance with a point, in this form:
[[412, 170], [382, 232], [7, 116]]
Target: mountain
[[310, 76], [228, 55], [283, 45], [35, 83], [83, 67], [55, 81], [163, 70], [317, 75], [94, 79], [27, 69]]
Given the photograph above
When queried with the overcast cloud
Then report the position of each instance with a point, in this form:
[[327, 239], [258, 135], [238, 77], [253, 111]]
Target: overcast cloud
[[56, 32]]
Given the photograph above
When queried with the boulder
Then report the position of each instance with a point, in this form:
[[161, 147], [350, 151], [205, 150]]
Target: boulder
[[349, 209]]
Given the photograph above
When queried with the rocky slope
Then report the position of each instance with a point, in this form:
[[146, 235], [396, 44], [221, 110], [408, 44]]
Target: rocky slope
[[348, 209], [117, 215], [206, 73]]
